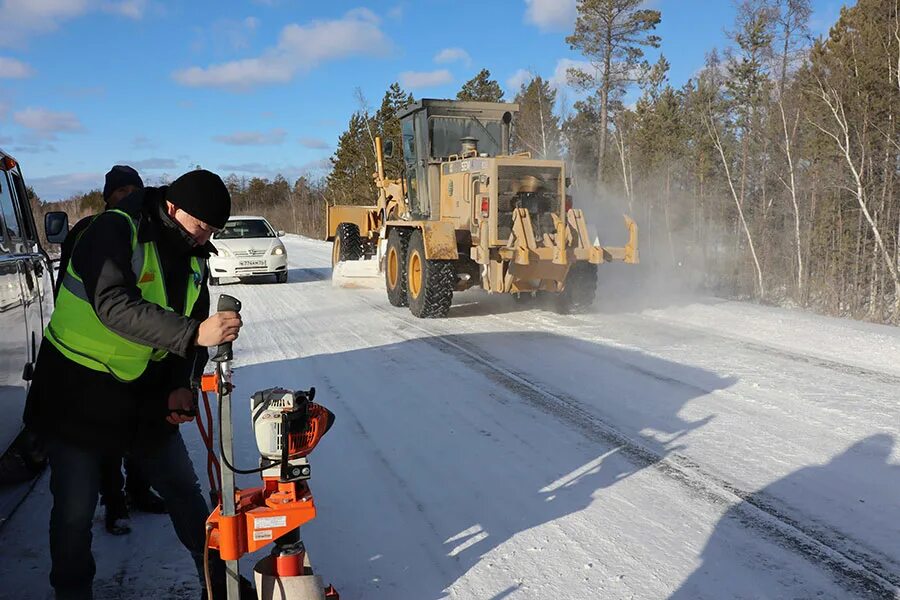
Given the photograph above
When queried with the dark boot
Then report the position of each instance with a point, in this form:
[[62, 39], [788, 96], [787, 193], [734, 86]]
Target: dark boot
[[117, 517]]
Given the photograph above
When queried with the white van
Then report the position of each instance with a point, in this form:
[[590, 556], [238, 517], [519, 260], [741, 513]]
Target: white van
[[26, 301]]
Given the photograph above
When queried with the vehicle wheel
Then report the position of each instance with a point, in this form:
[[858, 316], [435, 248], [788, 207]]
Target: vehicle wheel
[[395, 280], [281, 277], [213, 280], [430, 283], [580, 290], [347, 243]]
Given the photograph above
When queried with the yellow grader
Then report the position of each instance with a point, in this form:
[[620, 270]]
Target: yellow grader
[[466, 213]]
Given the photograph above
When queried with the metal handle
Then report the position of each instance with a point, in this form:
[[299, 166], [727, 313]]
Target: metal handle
[[226, 304]]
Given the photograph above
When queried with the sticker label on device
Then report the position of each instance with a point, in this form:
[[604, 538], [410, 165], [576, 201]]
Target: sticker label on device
[[269, 523], [262, 535]]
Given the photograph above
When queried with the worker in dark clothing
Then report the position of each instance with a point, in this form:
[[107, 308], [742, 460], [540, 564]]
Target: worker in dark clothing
[[126, 341], [121, 181]]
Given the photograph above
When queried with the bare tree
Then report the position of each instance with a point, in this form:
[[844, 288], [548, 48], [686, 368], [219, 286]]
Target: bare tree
[[831, 97], [791, 21], [713, 131]]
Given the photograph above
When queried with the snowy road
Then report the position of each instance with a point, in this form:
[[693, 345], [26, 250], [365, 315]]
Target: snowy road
[[696, 450]]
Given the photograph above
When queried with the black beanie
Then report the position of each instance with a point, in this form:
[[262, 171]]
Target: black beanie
[[118, 177], [203, 195]]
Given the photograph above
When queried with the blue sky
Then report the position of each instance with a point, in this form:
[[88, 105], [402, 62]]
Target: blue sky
[[259, 87]]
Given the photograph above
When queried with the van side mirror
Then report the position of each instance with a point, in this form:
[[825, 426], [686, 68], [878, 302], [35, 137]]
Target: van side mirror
[[389, 148], [280, 233], [56, 226]]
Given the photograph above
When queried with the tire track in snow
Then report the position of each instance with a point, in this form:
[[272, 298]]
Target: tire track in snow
[[757, 347], [858, 569]]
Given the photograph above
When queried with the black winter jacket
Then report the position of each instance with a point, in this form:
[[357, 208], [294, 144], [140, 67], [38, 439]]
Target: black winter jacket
[[65, 253], [93, 409]]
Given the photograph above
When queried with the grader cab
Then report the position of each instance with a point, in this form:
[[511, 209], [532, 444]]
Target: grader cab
[[469, 213]]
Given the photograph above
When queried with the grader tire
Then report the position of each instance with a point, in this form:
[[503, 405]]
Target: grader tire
[[430, 283], [395, 279], [580, 290], [347, 243]]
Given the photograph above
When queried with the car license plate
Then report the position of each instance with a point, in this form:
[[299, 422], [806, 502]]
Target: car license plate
[[253, 263]]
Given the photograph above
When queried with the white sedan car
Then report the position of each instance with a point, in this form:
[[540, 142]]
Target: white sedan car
[[248, 247]]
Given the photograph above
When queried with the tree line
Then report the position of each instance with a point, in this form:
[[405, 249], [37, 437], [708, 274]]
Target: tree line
[[297, 208], [770, 174]]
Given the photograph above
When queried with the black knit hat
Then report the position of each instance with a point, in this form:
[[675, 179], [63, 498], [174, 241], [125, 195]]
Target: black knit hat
[[118, 177], [203, 195]]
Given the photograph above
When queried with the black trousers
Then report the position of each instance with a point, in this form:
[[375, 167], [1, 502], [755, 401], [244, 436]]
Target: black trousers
[[113, 482], [74, 483]]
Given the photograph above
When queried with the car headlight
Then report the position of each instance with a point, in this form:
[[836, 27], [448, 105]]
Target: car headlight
[[224, 252], [278, 251]]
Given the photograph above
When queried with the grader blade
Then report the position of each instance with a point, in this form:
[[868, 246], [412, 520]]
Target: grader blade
[[357, 274]]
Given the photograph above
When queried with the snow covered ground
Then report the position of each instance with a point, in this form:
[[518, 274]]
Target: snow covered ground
[[703, 449]]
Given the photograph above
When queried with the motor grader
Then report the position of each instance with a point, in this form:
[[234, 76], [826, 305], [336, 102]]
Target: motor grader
[[467, 212]]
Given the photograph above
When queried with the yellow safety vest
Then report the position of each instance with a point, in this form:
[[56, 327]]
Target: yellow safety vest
[[78, 334]]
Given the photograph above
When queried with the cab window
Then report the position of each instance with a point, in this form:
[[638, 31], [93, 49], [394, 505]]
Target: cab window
[[409, 155], [8, 212], [20, 195]]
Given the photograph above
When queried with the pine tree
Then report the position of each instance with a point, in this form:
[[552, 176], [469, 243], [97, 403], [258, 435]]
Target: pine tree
[[580, 133], [536, 128], [388, 126], [350, 180], [612, 35], [481, 88]]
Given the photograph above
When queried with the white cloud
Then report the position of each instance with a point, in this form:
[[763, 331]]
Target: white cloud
[[517, 80], [133, 9], [314, 143], [420, 79], [551, 15], [46, 123], [313, 168], [253, 138], [59, 187], [300, 48], [255, 168], [10, 68], [559, 78], [22, 19], [226, 35], [449, 55]]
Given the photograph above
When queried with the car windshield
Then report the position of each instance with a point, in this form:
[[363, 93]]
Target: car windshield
[[245, 228]]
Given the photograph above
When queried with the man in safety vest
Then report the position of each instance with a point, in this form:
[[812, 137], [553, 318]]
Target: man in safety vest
[[121, 181], [127, 338]]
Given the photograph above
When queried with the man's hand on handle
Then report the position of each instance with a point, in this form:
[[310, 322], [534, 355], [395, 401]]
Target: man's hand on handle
[[218, 329], [181, 406]]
